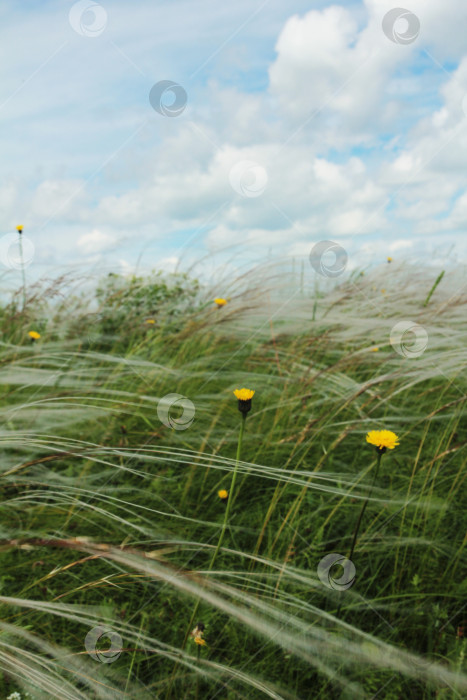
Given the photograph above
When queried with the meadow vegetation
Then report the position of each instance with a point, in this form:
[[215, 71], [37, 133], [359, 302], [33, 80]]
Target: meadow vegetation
[[110, 518]]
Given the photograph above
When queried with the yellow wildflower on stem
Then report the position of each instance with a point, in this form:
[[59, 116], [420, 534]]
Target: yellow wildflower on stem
[[244, 397], [34, 335], [223, 494], [220, 302], [197, 634], [382, 440], [20, 241]]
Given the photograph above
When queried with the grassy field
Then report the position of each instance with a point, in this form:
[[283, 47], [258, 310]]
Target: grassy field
[[110, 513]]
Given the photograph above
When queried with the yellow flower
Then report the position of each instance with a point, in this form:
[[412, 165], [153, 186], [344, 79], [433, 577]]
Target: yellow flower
[[223, 494], [389, 259], [220, 302], [34, 335], [244, 394], [374, 350], [382, 440], [244, 397], [150, 320], [19, 229], [383, 291], [197, 634]]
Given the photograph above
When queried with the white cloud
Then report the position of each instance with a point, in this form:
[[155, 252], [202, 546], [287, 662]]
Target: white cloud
[[403, 244], [95, 242], [359, 136], [53, 197]]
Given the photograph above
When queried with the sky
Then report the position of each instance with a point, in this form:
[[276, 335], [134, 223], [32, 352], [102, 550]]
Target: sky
[[147, 135]]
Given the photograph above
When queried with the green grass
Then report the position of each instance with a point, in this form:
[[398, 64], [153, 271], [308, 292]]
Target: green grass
[[109, 517]]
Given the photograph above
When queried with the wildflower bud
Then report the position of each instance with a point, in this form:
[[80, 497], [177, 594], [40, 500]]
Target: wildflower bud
[[244, 406]]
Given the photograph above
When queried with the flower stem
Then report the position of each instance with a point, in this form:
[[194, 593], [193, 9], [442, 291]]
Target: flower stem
[[197, 675], [219, 541], [232, 486], [22, 269], [357, 527], [226, 515]]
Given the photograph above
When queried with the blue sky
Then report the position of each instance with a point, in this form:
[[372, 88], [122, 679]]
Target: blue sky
[[303, 122]]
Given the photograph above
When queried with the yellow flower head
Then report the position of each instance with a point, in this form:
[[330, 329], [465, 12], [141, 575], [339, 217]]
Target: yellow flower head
[[382, 440], [19, 229], [220, 302], [34, 335], [244, 394], [389, 259], [150, 320], [374, 350], [223, 494], [244, 397], [197, 634]]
